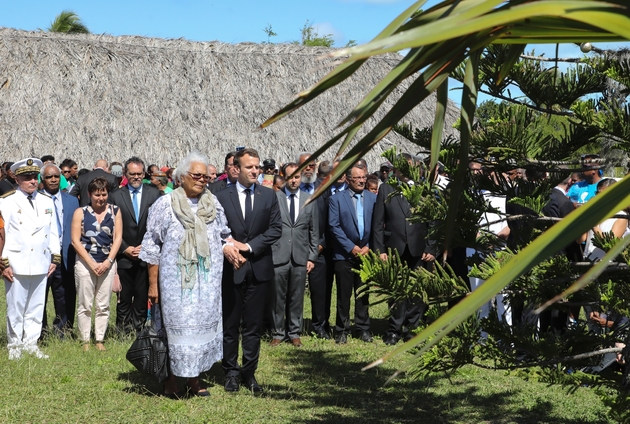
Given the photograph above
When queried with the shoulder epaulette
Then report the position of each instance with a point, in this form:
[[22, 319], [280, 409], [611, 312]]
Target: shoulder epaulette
[[7, 194]]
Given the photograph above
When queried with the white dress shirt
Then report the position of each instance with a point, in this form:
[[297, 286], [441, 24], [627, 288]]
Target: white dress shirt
[[296, 202]]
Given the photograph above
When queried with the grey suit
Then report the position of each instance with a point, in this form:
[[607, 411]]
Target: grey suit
[[297, 245]]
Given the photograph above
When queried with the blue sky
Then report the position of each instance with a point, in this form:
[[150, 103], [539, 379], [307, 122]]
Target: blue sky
[[230, 21]]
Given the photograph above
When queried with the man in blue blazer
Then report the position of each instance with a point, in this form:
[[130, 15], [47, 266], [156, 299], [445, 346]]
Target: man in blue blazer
[[61, 282], [350, 222]]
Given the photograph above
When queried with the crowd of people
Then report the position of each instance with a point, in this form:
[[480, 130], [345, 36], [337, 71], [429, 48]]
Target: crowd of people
[[226, 256]]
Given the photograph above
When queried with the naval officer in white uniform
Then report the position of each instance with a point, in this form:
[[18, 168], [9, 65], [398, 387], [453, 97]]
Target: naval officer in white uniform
[[30, 255]]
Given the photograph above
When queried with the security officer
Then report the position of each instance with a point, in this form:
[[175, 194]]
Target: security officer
[[30, 254]]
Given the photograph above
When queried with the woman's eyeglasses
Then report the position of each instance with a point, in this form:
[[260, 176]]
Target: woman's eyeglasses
[[199, 177]]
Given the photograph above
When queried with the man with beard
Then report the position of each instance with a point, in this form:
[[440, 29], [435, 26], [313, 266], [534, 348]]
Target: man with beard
[[308, 174], [134, 201]]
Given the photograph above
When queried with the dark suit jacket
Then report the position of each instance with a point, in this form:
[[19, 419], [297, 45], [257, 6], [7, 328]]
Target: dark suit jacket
[[133, 232], [264, 230], [342, 219], [80, 189], [300, 239], [217, 186], [390, 227], [559, 206], [69, 204]]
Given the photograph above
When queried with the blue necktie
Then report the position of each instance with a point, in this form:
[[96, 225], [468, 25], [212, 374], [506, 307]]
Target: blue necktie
[[136, 207], [359, 214], [58, 210]]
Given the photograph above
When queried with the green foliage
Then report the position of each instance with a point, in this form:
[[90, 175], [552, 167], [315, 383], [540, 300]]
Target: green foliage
[[393, 281], [270, 33], [312, 38], [68, 22]]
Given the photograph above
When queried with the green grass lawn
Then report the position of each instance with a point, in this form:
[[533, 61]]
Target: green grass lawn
[[321, 382]]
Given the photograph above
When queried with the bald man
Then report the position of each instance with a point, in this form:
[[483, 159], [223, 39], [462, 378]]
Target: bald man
[[101, 169]]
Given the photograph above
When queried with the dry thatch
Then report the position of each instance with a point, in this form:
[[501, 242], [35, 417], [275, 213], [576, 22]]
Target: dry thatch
[[93, 96]]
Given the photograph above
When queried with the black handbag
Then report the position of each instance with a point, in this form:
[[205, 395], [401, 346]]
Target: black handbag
[[149, 352]]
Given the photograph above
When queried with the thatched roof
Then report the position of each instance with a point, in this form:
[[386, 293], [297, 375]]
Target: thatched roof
[[93, 96]]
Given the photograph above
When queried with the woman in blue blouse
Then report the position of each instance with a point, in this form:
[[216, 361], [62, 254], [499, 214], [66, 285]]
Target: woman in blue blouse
[[96, 237]]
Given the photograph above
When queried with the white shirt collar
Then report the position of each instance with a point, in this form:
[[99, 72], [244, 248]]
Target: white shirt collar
[[241, 188]]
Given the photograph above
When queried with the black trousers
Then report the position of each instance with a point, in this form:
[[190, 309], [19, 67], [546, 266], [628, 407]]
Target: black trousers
[[320, 283], [243, 311], [61, 283], [347, 280], [406, 315], [131, 310]]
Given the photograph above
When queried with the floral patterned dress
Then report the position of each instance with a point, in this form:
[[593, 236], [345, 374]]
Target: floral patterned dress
[[192, 319]]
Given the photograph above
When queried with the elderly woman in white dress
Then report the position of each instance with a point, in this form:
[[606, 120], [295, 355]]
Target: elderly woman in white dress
[[183, 249]]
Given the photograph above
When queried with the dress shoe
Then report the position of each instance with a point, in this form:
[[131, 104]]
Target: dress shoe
[[322, 334], [392, 339], [365, 336], [275, 342], [296, 342], [341, 338], [231, 383], [408, 336], [252, 384]]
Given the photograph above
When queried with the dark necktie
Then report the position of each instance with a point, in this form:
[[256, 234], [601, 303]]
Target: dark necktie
[[248, 204], [30, 200], [292, 207], [308, 187]]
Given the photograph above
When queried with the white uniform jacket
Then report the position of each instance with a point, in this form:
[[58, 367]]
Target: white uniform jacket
[[31, 234]]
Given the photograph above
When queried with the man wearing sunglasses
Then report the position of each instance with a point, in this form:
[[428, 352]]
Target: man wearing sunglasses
[[134, 201]]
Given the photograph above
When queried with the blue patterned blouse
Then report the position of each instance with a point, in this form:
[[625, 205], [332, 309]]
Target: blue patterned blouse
[[98, 238]]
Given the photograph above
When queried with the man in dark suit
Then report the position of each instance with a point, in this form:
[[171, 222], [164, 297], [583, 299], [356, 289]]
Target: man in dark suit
[[392, 230], [350, 222], [294, 256], [230, 172], [134, 201], [320, 279], [559, 206], [101, 169], [61, 281], [253, 216]]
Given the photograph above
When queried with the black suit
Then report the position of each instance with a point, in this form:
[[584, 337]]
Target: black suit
[[131, 310], [320, 279], [559, 206], [244, 290], [392, 230], [80, 189], [217, 186]]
